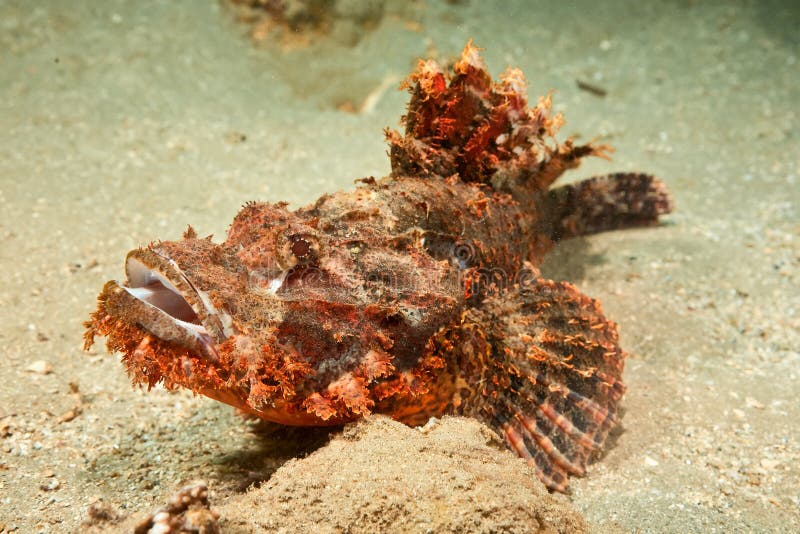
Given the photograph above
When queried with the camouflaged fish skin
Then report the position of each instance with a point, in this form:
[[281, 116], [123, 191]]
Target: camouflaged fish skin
[[415, 295]]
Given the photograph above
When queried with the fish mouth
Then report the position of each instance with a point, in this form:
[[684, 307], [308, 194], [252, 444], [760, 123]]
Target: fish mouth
[[161, 299]]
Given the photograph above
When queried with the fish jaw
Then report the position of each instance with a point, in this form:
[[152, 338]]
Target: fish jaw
[[160, 299], [156, 349], [138, 305], [157, 279], [170, 332], [164, 326]]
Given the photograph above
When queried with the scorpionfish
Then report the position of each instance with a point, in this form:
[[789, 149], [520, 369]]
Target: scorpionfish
[[415, 295]]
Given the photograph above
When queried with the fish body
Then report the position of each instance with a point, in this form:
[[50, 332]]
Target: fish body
[[415, 295]]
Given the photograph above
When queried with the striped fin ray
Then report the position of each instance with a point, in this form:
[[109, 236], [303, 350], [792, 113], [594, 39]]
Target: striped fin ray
[[542, 366]]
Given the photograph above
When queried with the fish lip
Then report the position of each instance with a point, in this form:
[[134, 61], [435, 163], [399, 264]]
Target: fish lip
[[164, 301], [133, 307]]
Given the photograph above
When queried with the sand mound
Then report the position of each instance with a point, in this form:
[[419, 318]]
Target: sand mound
[[380, 475]]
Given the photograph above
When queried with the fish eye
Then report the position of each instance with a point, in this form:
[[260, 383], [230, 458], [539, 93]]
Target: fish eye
[[298, 249], [300, 246]]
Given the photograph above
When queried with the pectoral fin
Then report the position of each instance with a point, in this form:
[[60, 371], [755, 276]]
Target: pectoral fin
[[542, 366]]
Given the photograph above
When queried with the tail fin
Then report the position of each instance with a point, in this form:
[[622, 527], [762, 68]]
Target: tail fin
[[464, 123], [541, 365], [611, 202]]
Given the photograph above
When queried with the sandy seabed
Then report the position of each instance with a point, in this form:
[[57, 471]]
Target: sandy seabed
[[122, 122]]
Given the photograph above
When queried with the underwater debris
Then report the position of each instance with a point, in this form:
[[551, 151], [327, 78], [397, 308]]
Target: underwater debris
[[300, 22], [187, 511], [596, 90]]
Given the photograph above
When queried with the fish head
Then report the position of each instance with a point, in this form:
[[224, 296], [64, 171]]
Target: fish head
[[288, 319]]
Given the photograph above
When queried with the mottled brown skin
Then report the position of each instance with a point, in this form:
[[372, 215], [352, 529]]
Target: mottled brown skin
[[415, 295]]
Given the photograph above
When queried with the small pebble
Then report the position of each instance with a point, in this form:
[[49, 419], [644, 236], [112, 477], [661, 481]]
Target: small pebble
[[753, 403], [51, 485], [40, 367], [769, 464]]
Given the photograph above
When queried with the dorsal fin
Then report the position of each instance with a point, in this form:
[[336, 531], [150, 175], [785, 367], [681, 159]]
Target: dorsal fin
[[463, 123]]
